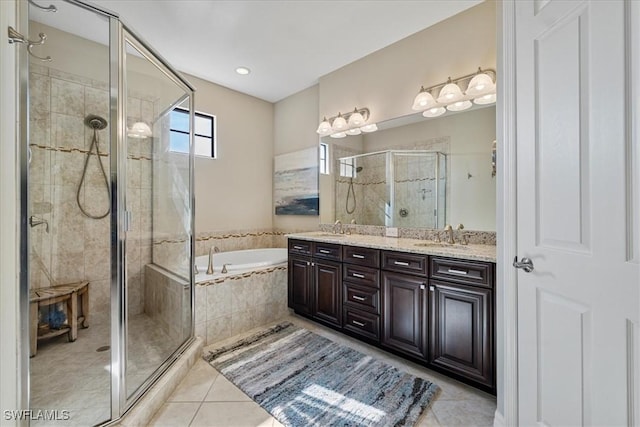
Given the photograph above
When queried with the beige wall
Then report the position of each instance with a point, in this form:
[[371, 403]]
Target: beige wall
[[234, 191], [294, 129], [387, 80]]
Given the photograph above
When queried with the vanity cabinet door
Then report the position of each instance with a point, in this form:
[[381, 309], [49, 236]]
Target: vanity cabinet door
[[327, 302], [300, 284], [404, 314], [461, 331]]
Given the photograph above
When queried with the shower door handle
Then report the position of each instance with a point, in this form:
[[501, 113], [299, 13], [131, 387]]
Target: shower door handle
[[127, 220]]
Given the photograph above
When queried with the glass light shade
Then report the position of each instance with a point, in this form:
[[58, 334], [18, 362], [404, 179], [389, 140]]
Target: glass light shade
[[356, 119], [139, 130], [372, 127], [339, 124], [459, 106], [324, 128], [479, 84], [450, 93], [489, 98], [422, 101], [354, 131], [434, 112], [338, 135]]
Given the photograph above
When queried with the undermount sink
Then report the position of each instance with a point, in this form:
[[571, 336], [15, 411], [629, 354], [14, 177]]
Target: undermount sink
[[441, 245]]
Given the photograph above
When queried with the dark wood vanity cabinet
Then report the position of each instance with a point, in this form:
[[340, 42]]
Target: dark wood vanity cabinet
[[405, 313], [314, 282], [327, 289], [434, 310], [361, 292], [461, 333], [300, 280]]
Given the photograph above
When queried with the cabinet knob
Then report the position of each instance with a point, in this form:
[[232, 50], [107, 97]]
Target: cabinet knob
[[308, 263], [431, 289], [423, 287]]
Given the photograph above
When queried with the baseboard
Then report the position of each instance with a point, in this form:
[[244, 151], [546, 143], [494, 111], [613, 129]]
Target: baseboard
[[498, 419]]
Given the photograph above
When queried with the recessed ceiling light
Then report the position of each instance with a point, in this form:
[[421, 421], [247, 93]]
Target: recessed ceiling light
[[243, 71]]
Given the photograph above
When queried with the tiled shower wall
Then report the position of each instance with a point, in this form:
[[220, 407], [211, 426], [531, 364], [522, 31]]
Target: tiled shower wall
[[75, 247], [415, 184]]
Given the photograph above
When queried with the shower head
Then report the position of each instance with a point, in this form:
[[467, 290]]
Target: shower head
[[95, 122]]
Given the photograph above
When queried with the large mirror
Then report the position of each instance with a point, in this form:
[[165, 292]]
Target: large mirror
[[415, 172]]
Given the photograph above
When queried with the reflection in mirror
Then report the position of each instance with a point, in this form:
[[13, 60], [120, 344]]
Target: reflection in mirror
[[389, 177], [399, 188]]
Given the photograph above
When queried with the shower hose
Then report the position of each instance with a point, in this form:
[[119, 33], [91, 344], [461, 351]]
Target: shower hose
[[94, 143], [350, 193]]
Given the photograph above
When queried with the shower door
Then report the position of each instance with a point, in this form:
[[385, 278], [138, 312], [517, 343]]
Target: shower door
[[69, 215], [109, 197], [418, 188], [158, 216]]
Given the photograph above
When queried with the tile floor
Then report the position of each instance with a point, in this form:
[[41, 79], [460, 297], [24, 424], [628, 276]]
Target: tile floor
[[76, 377], [206, 398]]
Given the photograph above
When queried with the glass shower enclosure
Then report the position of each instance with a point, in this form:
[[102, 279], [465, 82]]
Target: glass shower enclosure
[[109, 233], [393, 188]]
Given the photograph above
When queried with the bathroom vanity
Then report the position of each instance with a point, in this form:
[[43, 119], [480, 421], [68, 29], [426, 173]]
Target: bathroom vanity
[[430, 302]]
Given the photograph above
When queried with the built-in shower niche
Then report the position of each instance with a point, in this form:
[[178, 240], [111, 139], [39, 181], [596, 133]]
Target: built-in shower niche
[[395, 188]]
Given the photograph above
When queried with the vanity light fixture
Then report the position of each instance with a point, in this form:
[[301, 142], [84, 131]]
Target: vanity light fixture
[[353, 123], [480, 87], [139, 130]]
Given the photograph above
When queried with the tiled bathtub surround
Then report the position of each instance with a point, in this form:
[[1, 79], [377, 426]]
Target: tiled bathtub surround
[[474, 237], [76, 247], [167, 299], [235, 304], [235, 240]]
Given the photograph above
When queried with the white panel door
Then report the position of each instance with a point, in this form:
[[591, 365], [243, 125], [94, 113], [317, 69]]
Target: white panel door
[[578, 309]]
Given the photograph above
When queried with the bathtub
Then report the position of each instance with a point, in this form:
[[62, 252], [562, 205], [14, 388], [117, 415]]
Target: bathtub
[[240, 261]]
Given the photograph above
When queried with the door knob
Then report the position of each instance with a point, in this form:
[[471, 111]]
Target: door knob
[[526, 264]]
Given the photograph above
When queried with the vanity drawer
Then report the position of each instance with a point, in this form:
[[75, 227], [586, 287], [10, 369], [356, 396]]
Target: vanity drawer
[[462, 271], [361, 275], [327, 251], [300, 247], [361, 256], [362, 297], [404, 263], [362, 323]]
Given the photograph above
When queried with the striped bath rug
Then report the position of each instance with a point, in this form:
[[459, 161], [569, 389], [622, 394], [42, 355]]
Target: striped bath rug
[[304, 379]]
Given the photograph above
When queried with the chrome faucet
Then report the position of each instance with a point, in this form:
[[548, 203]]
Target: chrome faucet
[[335, 227], [34, 220], [213, 250], [224, 268], [353, 222], [449, 230], [462, 238]]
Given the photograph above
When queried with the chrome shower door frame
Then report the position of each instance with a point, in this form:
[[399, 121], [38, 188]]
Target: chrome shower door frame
[[126, 36], [119, 34]]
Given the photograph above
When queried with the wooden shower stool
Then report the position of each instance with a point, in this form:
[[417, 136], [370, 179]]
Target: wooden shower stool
[[76, 297]]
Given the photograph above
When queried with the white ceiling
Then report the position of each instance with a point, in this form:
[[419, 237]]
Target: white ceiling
[[287, 45]]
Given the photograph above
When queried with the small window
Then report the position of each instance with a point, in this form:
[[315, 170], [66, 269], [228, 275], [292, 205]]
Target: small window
[[348, 167], [324, 159], [205, 133]]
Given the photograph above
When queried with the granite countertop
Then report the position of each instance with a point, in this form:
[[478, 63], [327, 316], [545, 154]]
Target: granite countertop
[[416, 246]]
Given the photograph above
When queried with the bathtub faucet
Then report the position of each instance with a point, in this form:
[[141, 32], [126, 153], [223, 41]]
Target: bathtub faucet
[[213, 250]]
